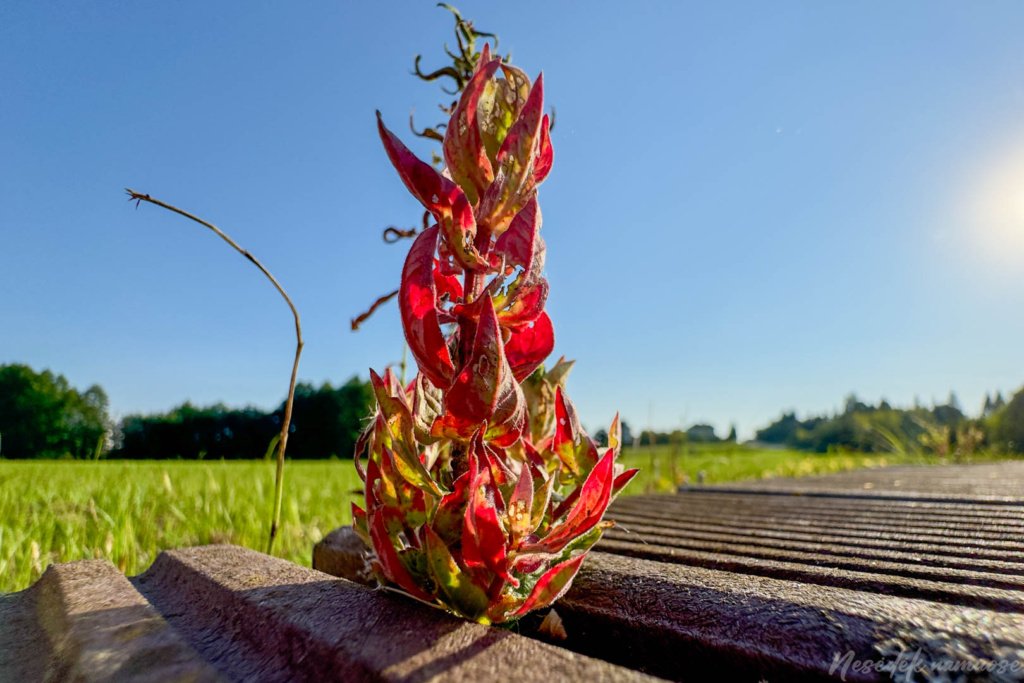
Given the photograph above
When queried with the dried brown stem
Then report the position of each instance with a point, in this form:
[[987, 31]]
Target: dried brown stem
[[429, 133], [393, 234], [359, 320], [282, 443]]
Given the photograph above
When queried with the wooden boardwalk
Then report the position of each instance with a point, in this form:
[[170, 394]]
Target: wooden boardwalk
[[788, 579], [856, 577], [988, 481]]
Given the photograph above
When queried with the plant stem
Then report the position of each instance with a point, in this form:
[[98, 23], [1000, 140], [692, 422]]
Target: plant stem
[[282, 443], [361, 318], [405, 354]]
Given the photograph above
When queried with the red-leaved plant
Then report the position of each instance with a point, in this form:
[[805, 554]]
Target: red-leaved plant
[[483, 494]]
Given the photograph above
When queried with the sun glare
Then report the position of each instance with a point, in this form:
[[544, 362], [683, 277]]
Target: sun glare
[[995, 216]]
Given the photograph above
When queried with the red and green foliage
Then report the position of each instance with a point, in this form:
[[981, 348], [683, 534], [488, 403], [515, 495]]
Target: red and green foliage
[[483, 494]]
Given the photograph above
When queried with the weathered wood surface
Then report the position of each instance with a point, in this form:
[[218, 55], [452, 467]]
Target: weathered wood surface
[[994, 481], [692, 623], [777, 580], [782, 580], [227, 613], [84, 621]]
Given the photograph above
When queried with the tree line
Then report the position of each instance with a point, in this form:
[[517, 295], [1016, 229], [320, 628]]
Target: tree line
[[43, 416], [942, 428]]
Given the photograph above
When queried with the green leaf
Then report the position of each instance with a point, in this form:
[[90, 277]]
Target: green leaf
[[499, 107], [455, 583], [552, 585]]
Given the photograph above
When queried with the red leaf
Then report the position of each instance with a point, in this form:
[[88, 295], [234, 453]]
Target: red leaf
[[463, 148], [525, 306], [485, 538], [455, 583], [517, 244], [484, 542], [388, 558], [545, 153], [567, 432], [552, 585], [524, 132], [529, 346], [566, 503], [621, 481], [514, 181], [543, 484], [520, 507], [426, 407], [595, 494], [390, 398], [509, 418], [615, 434], [358, 515], [574, 448], [499, 108], [431, 188], [390, 481], [447, 520], [485, 380], [417, 301], [439, 195], [446, 284], [369, 488], [398, 432], [410, 500], [501, 474], [361, 523], [568, 428], [446, 263], [357, 452], [485, 57], [533, 456]]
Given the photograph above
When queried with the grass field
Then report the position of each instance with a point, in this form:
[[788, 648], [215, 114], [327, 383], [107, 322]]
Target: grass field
[[129, 511]]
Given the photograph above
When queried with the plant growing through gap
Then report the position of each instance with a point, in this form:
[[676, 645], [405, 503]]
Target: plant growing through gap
[[482, 493]]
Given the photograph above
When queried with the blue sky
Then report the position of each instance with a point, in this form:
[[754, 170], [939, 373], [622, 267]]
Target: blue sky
[[754, 207]]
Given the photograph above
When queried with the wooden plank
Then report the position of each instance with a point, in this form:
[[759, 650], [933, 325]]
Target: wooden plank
[[995, 482], [964, 537], [753, 504], [1006, 567], [85, 622], [223, 613], [708, 624], [256, 617], [745, 566], [695, 623], [896, 563]]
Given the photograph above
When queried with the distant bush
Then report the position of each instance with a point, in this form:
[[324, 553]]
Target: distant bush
[[1006, 426], [43, 416], [326, 422], [874, 429]]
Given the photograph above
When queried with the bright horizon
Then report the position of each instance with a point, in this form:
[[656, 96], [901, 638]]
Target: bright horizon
[[752, 208]]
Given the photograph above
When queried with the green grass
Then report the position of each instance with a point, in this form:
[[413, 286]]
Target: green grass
[[129, 511], [663, 468]]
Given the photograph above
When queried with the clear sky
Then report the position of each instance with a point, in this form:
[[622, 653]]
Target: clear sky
[[754, 207]]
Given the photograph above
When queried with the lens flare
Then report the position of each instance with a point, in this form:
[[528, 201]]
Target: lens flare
[[995, 209]]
